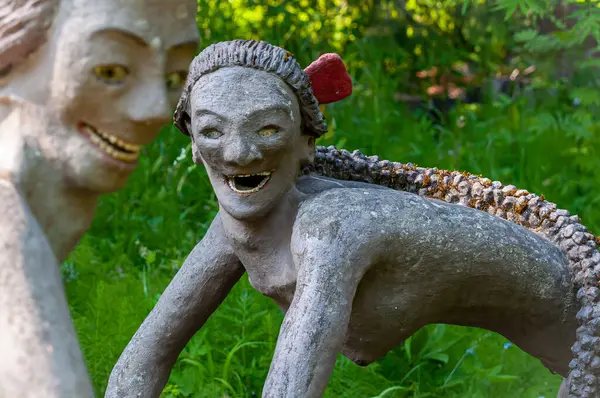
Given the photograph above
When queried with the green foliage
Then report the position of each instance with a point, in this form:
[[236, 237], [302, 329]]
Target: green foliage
[[300, 25], [544, 143], [565, 68]]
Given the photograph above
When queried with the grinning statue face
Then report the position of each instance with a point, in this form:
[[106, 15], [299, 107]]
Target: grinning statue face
[[107, 81], [246, 129]]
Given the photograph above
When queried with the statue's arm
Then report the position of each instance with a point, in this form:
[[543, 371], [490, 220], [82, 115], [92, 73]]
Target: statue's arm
[[40, 355], [313, 330], [202, 283]]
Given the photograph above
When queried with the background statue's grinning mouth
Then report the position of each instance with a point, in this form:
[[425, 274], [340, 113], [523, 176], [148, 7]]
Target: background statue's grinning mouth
[[110, 144], [248, 183]]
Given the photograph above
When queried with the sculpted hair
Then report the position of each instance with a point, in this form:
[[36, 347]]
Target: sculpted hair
[[258, 55], [24, 25]]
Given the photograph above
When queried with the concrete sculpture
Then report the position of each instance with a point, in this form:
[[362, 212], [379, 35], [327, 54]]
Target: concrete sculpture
[[83, 86], [357, 267]]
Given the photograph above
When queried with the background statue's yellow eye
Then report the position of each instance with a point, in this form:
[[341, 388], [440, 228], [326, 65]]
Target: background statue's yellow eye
[[111, 73], [268, 131], [176, 80], [211, 133]]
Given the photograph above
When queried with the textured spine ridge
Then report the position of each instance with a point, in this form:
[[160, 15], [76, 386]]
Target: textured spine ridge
[[507, 202]]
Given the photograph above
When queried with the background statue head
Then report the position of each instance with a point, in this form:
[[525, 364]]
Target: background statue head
[[88, 83], [253, 117]]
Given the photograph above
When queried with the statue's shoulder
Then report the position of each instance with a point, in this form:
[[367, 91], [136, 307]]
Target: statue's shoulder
[[353, 196], [344, 206], [315, 183], [339, 223]]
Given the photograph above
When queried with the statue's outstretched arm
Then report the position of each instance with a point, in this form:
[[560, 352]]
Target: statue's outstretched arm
[[39, 353], [313, 329], [202, 283]]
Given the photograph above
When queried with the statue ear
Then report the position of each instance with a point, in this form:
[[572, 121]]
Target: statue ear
[[186, 125], [311, 148], [183, 123], [182, 120], [308, 149]]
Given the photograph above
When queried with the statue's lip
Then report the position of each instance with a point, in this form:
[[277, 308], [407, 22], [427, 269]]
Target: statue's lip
[[110, 144], [245, 184]]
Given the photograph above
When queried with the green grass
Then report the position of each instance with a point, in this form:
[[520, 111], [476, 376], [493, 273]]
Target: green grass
[[142, 234]]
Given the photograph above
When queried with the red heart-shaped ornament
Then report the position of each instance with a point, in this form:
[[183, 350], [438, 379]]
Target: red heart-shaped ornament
[[330, 79]]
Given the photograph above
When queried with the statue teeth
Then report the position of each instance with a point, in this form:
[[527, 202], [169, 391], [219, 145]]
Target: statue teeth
[[232, 186], [99, 139], [264, 173], [117, 141]]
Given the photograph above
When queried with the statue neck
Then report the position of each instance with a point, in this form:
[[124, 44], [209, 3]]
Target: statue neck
[[272, 225], [63, 212]]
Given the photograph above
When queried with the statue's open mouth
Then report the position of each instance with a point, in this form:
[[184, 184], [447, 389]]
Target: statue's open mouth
[[111, 145], [248, 183]]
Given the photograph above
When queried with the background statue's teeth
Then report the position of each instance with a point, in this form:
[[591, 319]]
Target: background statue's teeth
[[115, 154], [95, 139], [125, 145], [127, 157], [103, 146], [88, 129], [131, 147], [120, 143]]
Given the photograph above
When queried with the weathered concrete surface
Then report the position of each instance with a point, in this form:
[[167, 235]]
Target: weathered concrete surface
[[83, 85]]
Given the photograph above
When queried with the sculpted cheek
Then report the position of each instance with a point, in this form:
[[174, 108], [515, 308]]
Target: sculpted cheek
[[211, 156]]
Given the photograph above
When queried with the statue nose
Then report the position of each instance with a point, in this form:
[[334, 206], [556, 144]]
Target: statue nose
[[241, 153], [150, 106]]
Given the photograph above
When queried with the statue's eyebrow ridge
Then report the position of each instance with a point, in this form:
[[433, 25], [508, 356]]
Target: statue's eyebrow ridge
[[205, 112], [183, 44], [271, 108], [123, 32]]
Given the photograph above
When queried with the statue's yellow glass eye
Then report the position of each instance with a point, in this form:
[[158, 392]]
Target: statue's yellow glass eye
[[176, 80], [211, 133], [112, 74], [268, 131]]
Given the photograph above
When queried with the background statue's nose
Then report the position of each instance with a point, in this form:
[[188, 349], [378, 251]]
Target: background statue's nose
[[151, 106]]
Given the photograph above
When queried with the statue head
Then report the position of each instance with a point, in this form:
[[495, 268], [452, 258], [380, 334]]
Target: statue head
[[93, 81], [253, 118]]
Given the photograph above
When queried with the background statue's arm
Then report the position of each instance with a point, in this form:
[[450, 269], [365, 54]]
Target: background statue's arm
[[202, 283], [40, 355]]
